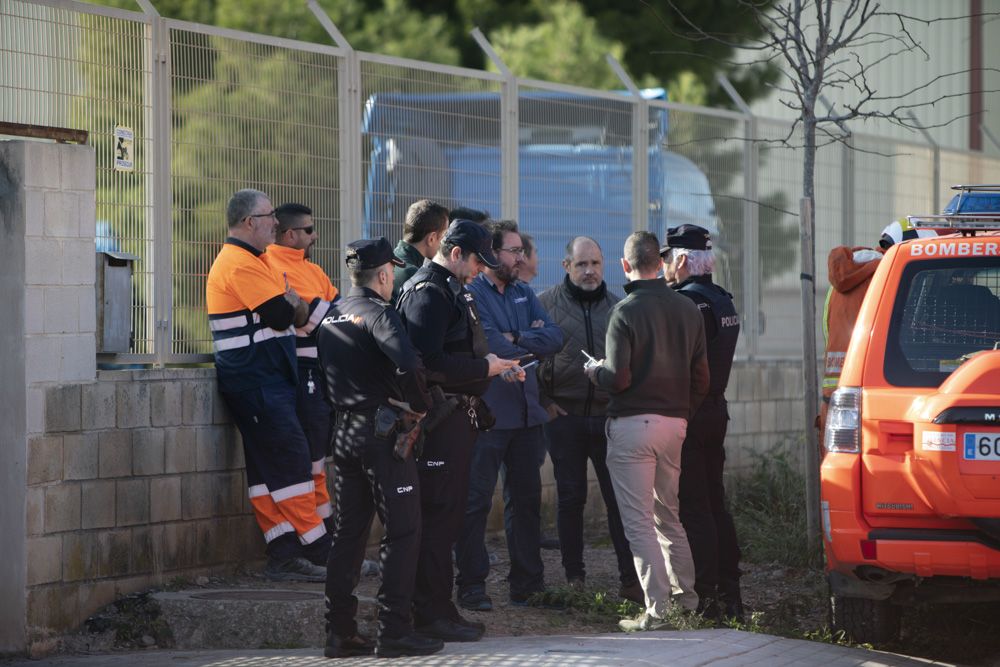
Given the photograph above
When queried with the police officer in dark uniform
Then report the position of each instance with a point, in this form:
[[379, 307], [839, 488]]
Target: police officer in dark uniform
[[688, 265], [374, 377], [441, 319]]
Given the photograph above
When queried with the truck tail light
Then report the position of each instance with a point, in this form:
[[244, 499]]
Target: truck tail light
[[869, 550], [843, 421]]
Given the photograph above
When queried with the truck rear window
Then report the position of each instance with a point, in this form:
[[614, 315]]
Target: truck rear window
[[944, 311]]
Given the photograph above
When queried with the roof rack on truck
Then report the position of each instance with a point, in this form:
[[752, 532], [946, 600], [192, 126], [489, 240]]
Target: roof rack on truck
[[974, 208]]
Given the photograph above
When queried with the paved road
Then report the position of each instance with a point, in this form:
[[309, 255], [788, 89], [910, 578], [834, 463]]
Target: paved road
[[683, 649]]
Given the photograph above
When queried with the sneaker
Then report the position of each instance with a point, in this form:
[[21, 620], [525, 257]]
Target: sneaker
[[412, 644], [475, 601], [294, 569], [347, 647], [633, 592], [710, 610], [643, 622]]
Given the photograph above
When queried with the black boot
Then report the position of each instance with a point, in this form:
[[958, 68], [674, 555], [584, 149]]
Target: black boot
[[347, 647], [411, 644], [450, 631]]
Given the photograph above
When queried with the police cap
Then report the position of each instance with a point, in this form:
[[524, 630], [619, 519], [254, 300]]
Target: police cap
[[473, 237], [691, 237], [370, 254]]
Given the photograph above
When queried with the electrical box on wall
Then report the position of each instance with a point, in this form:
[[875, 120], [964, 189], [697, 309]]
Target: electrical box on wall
[[114, 301]]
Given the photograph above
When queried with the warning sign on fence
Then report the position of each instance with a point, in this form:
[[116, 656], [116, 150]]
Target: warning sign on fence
[[124, 139]]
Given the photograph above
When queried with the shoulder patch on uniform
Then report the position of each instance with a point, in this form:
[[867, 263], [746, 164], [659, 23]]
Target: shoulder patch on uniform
[[702, 305]]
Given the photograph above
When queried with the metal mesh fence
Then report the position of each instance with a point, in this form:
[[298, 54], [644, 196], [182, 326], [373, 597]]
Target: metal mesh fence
[[246, 115], [575, 175], [698, 177], [359, 137], [426, 134], [62, 68]]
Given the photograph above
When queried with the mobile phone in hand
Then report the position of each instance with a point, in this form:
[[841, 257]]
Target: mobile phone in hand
[[589, 358]]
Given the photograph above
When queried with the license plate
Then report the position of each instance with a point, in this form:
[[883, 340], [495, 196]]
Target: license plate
[[981, 447]]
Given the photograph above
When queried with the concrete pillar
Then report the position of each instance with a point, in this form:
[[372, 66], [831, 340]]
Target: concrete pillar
[[47, 226]]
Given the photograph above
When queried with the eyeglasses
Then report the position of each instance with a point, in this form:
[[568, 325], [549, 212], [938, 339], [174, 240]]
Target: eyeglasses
[[307, 230], [514, 251], [262, 215]]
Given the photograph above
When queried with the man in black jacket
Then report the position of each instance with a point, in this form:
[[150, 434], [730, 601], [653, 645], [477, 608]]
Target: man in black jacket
[[442, 321], [581, 306], [688, 264], [373, 374], [657, 374]]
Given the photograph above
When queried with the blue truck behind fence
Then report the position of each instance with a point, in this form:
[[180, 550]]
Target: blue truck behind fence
[[574, 162]]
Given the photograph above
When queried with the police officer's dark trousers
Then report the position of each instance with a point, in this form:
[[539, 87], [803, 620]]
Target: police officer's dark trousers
[[369, 479], [444, 491], [708, 524]]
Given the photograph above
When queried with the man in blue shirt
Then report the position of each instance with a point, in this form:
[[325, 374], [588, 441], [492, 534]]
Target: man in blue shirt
[[516, 326]]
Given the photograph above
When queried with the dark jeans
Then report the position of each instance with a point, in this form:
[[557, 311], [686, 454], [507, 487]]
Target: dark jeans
[[572, 442], [369, 479], [517, 451], [444, 488], [707, 522]]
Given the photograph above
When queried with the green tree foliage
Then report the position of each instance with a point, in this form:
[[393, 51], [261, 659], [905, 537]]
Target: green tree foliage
[[655, 39], [538, 50]]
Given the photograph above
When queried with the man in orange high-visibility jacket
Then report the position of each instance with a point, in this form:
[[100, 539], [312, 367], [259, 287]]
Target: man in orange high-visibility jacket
[[251, 314], [288, 257]]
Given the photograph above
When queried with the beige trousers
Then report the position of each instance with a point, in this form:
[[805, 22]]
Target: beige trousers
[[644, 459]]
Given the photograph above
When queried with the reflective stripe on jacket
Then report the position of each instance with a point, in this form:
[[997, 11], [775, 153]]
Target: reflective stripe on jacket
[[248, 353]]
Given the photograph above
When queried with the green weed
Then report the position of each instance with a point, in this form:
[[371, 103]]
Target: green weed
[[769, 508]]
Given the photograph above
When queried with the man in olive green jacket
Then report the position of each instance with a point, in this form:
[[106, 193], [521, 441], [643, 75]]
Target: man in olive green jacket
[[425, 225], [581, 306], [657, 374]]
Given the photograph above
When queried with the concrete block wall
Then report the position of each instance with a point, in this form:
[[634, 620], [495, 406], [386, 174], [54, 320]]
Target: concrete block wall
[[129, 488], [766, 402]]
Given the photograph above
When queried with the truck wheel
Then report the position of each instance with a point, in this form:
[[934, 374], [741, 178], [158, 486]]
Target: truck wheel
[[866, 621]]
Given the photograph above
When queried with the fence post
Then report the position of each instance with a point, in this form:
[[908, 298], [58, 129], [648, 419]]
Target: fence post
[[640, 148], [160, 133], [349, 140], [936, 152], [751, 268], [510, 128]]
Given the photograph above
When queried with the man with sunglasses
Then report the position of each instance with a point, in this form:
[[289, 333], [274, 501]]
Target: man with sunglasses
[[288, 258], [251, 314]]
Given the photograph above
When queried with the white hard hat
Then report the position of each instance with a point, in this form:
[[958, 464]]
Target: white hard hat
[[900, 230]]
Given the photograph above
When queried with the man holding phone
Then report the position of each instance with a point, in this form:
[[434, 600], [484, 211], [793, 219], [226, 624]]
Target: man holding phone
[[516, 327], [581, 305]]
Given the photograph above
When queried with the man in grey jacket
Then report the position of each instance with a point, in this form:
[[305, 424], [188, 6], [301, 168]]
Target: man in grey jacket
[[657, 374], [581, 306]]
